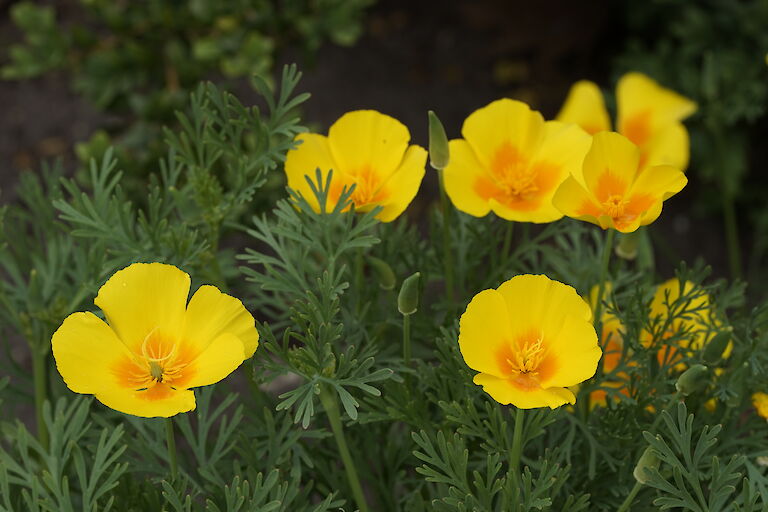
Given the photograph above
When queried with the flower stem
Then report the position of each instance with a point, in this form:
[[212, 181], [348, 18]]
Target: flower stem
[[447, 255], [407, 339], [171, 442], [506, 246], [604, 263], [331, 405], [630, 498], [517, 445], [40, 377]]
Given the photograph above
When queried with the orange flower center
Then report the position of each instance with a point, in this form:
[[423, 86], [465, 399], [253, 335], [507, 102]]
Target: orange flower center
[[522, 361], [513, 173], [614, 206], [368, 187]]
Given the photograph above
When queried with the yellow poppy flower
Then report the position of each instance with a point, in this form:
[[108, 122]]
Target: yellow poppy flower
[[154, 346], [530, 339], [511, 161], [649, 115], [611, 192], [760, 402], [364, 148]]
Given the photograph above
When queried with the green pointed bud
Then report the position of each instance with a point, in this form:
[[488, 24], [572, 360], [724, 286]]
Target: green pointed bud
[[648, 461], [627, 246], [408, 299], [713, 350], [692, 379], [383, 272], [438, 143]]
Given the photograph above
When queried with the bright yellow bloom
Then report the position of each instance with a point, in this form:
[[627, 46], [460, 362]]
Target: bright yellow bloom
[[154, 346], [609, 189], [511, 161], [364, 148], [530, 339], [760, 401], [648, 115]]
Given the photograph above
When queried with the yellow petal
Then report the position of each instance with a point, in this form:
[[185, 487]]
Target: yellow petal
[[484, 330], [573, 200], [461, 178], [610, 165], [669, 146], [145, 298], [505, 392], [573, 350], [211, 314], [402, 186], [222, 356], [653, 186], [367, 138], [313, 153], [137, 403], [85, 349], [503, 122], [644, 107], [585, 107]]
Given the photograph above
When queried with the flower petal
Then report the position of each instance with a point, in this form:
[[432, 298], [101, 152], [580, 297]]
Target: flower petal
[[573, 200], [669, 146], [464, 178], [505, 392], [85, 349], [610, 165], [165, 403], [573, 351], [503, 122], [484, 330], [585, 107], [144, 298], [653, 186], [313, 153], [367, 138], [222, 356], [211, 314], [403, 185], [639, 95]]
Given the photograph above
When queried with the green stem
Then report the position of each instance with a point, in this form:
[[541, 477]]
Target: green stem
[[506, 245], [170, 440], [604, 263], [447, 253], [407, 339], [517, 445], [40, 376], [732, 235], [630, 497], [331, 405]]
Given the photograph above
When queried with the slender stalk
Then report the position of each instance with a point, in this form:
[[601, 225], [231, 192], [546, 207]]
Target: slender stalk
[[40, 377], [447, 253], [604, 263], [407, 339], [517, 445], [506, 245], [732, 235], [170, 441], [331, 405], [630, 498]]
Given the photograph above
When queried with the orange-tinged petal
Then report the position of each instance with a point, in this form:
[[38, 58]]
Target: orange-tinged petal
[[85, 348], [573, 200], [143, 299], [484, 331], [574, 350], [653, 186], [503, 123], [467, 183], [220, 358], [367, 138], [400, 188], [610, 165], [313, 153], [669, 146], [210, 314], [162, 402], [504, 391], [585, 107]]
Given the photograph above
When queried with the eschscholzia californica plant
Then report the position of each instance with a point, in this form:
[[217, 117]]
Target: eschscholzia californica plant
[[610, 191], [530, 339], [154, 347], [648, 114], [364, 148], [510, 161], [760, 402]]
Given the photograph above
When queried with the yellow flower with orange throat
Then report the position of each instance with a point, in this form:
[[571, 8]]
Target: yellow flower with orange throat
[[366, 149], [610, 191], [530, 339], [510, 161], [648, 114], [154, 347]]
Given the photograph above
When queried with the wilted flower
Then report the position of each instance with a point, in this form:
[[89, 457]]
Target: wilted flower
[[530, 339], [610, 190], [649, 115], [364, 148], [154, 346], [511, 161]]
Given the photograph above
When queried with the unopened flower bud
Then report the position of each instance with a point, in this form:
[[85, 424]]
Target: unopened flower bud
[[438, 143], [383, 272], [692, 379], [627, 246], [648, 461], [713, 351], [408, 299]]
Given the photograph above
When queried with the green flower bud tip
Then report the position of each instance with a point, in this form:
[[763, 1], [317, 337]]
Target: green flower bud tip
[[648, 461], [408, 299], [692, 379], [383, 272], [713, 351], [627, 246], [438, 143]]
